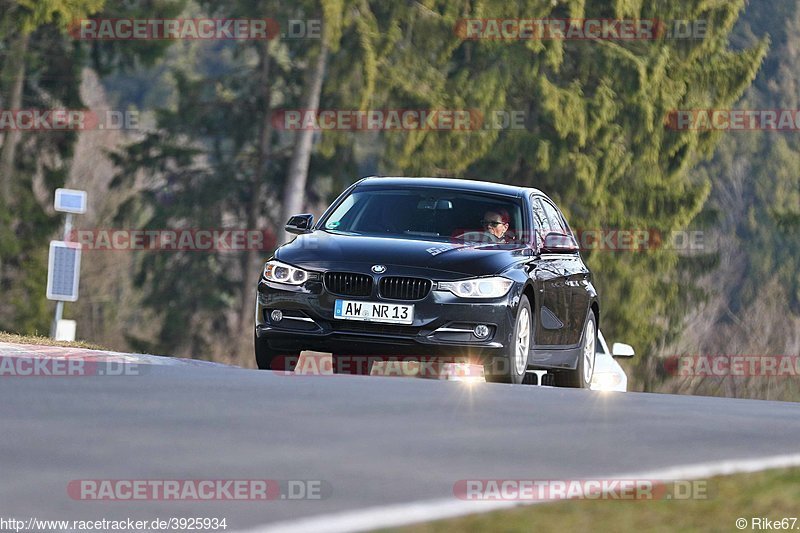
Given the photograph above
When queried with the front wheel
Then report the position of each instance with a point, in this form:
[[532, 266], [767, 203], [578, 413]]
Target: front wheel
[[512, 366], [581, 377]]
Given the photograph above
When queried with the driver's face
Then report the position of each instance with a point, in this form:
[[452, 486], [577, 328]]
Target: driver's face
[[494, 224]]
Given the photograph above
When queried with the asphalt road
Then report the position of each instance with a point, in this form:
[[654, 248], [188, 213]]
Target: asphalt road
[[372, 441]]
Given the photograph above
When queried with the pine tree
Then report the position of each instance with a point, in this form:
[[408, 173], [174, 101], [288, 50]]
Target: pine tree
[[596, 136]]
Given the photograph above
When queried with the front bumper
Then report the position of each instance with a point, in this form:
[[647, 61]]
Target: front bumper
[[442, 325]]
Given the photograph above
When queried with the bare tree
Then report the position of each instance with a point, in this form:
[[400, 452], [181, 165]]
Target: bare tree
[[295, 187], [14, 76], [250, 258]]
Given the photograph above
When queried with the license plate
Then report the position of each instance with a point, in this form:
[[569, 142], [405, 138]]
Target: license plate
[[373, 312]]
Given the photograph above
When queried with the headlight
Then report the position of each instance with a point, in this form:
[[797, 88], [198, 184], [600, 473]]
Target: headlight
[[477, 287], [606, 381], [283, 273]]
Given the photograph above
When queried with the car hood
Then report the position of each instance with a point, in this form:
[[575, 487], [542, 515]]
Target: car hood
[[331, 250]]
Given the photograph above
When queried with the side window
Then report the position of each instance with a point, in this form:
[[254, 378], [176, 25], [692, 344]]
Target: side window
[[540, 222], [556, 222]]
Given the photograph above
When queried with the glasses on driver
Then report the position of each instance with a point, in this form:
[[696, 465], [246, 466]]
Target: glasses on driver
[[492, 223]]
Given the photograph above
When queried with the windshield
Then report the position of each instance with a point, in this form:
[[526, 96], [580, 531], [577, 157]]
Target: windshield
[[437, 214]]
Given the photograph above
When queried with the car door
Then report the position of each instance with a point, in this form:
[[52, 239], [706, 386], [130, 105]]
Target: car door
[[552, 294], [575, 302]]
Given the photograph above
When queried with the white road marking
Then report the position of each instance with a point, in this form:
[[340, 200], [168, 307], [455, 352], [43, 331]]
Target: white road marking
[[403, 514]]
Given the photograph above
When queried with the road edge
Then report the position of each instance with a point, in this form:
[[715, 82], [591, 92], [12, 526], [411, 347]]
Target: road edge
[[404, 514]]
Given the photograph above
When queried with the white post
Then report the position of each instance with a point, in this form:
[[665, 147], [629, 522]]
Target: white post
[[59, 314], [67, 226], [59, 304]]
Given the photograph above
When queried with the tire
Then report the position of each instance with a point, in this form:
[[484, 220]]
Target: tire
[[269, 359], [581, 377], [514, 362]]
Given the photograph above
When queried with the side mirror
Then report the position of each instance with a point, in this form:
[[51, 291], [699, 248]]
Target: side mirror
[[620, 349], [299, 224], [559, 243]]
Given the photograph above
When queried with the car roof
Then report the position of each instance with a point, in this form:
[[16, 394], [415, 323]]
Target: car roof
[[448, 183]]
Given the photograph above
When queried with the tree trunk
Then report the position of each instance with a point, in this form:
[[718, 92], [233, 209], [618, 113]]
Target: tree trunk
[[250, 259], [295, 188], [14, 75]]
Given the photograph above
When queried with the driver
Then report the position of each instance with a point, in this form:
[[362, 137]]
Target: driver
[[495, 224]]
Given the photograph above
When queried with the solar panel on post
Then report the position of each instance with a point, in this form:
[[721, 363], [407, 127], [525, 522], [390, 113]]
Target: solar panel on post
[[63, 272]]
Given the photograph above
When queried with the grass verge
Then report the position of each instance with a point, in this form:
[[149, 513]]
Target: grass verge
[[45, 341], [773, 494]]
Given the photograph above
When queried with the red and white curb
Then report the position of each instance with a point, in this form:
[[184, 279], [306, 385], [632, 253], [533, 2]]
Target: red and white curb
[[58, 353]]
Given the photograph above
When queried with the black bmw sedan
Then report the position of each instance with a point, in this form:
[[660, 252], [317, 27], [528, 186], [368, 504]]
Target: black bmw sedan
[[433, 268]]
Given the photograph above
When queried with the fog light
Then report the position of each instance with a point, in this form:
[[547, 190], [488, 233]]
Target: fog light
[[481, 331], [276, 315]]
